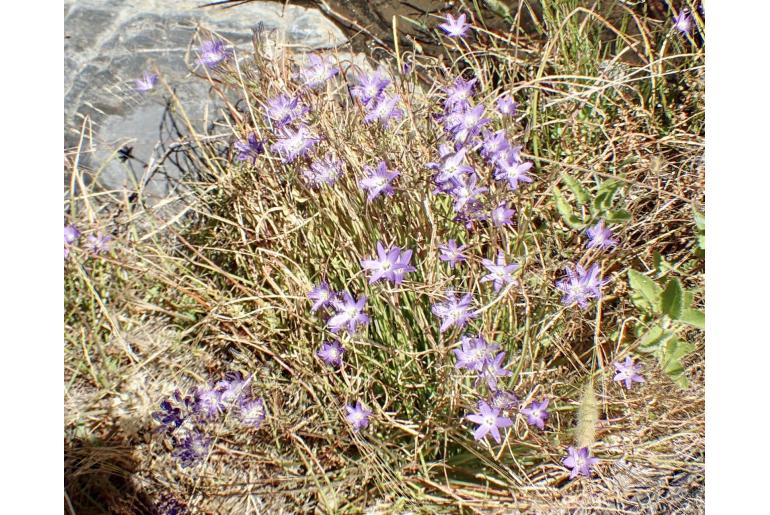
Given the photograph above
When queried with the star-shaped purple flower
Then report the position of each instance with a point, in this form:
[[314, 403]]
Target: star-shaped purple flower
[[499, 272], [459, 92], [331, 353], [252, 411], [213, 53], [98, 243], [451, 253], [323, 172], [600, 237], [191, 449], [386, 265], [469, 123], [466, 192], [683, 22], [506, 106], [294, 143], [473, 353], [492, 143], [71, 233], [628, 372], [453, 166], [378, 181], [350, 313], [513, 171], [384, 109], [358, 416], [489, 421], [209, 402], [231, 389], [502, 215], [283, 110], [146, 83], [321, 296], [250, 149], [455, 27], [536, 413], [504, 400], [317, 71], [493, 370], [454, 312], [580, 461], [370, 86], [580, 286]]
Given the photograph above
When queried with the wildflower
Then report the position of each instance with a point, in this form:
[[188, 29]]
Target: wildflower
[[231, 389], [213, 53], [252, 411], [191, 449], [325, 171], [600, 237], [349, 313], [580, 286], [473, 353], [501, 215], [146, 83], [453, 311], [370, 86], [453, 166], [504, 400], [249, 150], [489, 421], [174, 411], [459, 92], [455, 27], [580, 461], [628, 372], [492, 144], [513, 171], [469, 124], [465, 192], [331, 353], [209, 402], [451, 253], [536, 413], [98, 243], [378, 181], [169, 505], [493, 369], [282, 110], [318, 70], [499, 272], [403, 266], [384, 109], [683, 22], [383, 267], [506, 154], [71, 233], [506, 106], [321, 296], [294, 143], [358, 416]]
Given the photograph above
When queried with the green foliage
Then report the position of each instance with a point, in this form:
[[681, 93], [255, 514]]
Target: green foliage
[[672, 299], [700, 231], [646, 294], [599, 205]]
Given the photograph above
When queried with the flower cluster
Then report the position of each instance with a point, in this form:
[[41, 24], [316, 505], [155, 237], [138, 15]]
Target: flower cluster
[[182, 418], [379, 105], [391, 264], [580, 285]]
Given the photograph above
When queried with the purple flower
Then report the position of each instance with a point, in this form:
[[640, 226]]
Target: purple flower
[[403, 266], [513, 171], [492, 370], [331, 353], [191, 449], [384, 109], [209, 402], [507, 154], [71, 233], [474, 353], [536, 413], [321, 296], [506, 106], [146, 83], [453, 311], [459, 92], [504, 400], [252, 411], [492, 144], [370, 86], [499, 272], [213, 53], [283, 110], [469, 123], [451, 253], [174, 411], [378, 181], [455, 27], [383, 266], [579, 461], [683, 22], [317, 71], [98, 243], [628, 372], [249, 150], [324, 171], [489, 421], [231, 389], [358, 416], [294, 143], [465, 192], [580, 286], [349, 313], [501, 215], [600, 237], [453, 166]]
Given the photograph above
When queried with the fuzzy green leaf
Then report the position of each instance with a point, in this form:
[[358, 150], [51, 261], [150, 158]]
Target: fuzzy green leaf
[[672, 299], [646, 293], [565, 210], [653, 339], [617, 216], [605, 194], [694, 317], [700, 220], [581, 194], [671, 360]]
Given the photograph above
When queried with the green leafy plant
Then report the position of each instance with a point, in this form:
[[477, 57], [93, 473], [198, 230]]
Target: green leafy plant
[[598, 205]]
